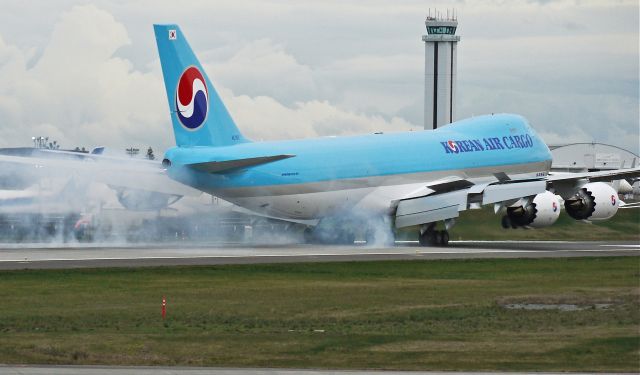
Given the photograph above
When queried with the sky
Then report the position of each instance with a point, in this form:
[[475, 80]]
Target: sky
[[87, 73]]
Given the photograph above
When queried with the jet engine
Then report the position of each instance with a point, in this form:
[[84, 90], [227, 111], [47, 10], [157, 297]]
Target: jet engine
[[594, 201], [141, 200], [540, 211]]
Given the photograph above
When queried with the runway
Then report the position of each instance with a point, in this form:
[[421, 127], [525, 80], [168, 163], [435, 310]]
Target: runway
[[38, 256]]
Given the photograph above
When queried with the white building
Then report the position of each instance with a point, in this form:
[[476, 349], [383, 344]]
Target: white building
[[583, 157]]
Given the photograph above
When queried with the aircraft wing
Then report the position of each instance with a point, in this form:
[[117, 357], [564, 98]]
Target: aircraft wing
[[630, 205], [445, 199], [567, 184], [447, 204], [120, 173], [617, 174]]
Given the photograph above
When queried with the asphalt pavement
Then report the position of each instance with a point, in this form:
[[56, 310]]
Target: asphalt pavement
[[56, 256]]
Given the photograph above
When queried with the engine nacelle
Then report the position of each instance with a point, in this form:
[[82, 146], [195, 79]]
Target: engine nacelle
[[541, 211], [141, 200], [594, 201]]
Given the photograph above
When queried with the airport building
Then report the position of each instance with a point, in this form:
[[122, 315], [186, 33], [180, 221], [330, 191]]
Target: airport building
[[440, 56], [591, 157], [585, 157]]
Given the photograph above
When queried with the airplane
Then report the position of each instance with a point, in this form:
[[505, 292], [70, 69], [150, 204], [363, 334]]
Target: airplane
[[404, 179], [43, 200], [139, 184]]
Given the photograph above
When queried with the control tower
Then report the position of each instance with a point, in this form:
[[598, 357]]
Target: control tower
[[440, 59]]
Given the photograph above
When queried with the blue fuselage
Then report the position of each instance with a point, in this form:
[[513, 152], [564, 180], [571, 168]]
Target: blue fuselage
[[472, 148]]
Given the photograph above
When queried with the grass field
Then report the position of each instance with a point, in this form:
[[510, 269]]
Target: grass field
[[445, 315]]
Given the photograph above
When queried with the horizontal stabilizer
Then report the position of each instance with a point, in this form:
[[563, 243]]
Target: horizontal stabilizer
[[228, 165]]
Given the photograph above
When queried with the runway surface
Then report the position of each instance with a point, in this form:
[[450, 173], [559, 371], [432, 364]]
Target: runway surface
[[38, 256]]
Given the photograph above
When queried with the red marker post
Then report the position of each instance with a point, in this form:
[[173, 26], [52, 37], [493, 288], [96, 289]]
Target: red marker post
[[164, 307]]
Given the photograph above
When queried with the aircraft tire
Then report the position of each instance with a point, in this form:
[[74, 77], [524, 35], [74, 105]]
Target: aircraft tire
[[444, 240], [428, 238], [423, 239], [506, 222], [437, 238]]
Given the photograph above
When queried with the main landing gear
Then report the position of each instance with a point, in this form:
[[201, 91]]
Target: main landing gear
[[430, 237]]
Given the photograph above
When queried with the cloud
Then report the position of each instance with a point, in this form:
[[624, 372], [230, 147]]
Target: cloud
[[262, 68], [370, 83], [77, 91], [80, 93], [321, 68], [264, 118]]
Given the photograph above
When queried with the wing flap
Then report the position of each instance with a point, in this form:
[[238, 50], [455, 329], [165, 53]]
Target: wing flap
[[430, 208], [505, 192]]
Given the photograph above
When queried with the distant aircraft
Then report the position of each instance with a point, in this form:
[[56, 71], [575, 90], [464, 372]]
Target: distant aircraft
[[405, 179], [139, 184]]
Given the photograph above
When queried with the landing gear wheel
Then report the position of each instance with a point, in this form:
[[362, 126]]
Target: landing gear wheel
[[444, 240], [423, 239], [437, 238], [428, 238], [434, 238], [506, 222]]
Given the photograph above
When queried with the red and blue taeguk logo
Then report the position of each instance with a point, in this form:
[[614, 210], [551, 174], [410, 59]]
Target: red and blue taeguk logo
[[613, 200], [192, 98], [554, 205], [453, 146]]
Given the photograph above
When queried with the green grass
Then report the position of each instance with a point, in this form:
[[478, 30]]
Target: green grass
[[439, 315]]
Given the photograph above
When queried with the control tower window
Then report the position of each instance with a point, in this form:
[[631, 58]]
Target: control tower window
[[441, 30]]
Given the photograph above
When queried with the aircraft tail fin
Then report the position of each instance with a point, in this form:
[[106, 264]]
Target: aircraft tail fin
[[97, 150], [198, 115]]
